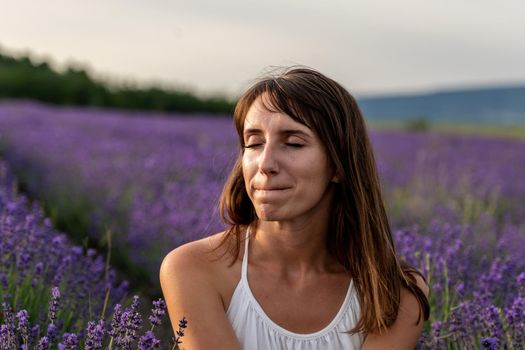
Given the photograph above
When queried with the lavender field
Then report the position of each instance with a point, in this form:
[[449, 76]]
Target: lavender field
[[456, 205]]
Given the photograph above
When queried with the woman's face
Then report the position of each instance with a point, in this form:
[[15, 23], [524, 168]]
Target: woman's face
[[285, 167]]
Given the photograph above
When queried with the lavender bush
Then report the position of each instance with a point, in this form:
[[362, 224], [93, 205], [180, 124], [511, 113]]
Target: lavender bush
[[456, 203], [34, 257], [476, 292], [121, 333], [51, 290]]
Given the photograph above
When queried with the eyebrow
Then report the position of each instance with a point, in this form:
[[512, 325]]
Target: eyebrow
[[285, 132]]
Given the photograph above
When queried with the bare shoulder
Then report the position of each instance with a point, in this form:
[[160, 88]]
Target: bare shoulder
[[198, 264], [405, 331], [192, 279], [198, 259], [195, 252]]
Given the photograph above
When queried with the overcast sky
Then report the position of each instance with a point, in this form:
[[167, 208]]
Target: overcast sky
[[371, 47]]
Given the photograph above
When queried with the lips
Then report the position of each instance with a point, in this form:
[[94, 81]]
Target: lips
[[267, 195], [270, 188]]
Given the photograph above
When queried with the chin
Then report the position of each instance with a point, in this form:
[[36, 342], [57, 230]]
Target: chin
[[265, 217], [269, 215]]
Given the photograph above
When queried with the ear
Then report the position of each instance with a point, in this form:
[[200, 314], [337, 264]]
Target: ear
[[335, 179]]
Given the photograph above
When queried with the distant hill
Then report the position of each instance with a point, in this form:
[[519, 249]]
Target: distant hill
[[501, 106]]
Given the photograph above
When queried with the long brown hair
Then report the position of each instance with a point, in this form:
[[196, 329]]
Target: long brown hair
[[359, 233]]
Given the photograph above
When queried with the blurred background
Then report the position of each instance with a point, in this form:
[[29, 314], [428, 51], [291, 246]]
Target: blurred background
[[116, 138], [373, 48]]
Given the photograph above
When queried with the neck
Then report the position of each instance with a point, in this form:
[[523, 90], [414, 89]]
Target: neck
[[293, 248]]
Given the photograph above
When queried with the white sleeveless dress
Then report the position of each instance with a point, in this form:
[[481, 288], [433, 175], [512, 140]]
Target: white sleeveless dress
[[256, 331]]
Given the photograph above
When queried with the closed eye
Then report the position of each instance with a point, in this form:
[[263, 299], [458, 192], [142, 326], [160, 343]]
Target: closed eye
[[295, 145], [253, 145]]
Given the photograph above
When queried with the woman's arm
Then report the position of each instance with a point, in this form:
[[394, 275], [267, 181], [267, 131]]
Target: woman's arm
[[405, 332], [190, 291]]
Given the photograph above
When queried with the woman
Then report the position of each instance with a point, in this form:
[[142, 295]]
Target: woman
[[308, 260]]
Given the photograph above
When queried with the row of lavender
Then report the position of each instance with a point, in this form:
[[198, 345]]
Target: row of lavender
[[155, 182], [456, 178], [54, 293], [152, 181]]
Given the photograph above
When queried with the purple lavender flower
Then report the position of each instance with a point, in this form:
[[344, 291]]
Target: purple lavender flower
[[135, 318], [5, 337], [493, 322], [183, 323], [148, 341], [61, 270], [125, 324], [436, 341], [521, 284], [43, 343], [23, 326], [53, 304], [489, 343], [95, 335], [515, 318], [35, 331], [39, 266], [7, 330], [23, 265], [116, 321], [70, 342], [460, 288], [159, 310], [130, 322], [52, 332]]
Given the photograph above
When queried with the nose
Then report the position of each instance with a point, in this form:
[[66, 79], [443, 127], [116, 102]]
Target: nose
[[268, 163]]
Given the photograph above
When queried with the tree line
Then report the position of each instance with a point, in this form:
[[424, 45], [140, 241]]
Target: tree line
[[20, 77]]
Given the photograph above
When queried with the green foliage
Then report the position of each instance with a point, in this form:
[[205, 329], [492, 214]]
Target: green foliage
[[418, 124], [21, 78]]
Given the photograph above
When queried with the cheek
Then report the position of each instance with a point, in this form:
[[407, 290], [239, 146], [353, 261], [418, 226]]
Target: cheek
[[247, 172], [318, 178], [319, 169], [245, 167], [249, 165]]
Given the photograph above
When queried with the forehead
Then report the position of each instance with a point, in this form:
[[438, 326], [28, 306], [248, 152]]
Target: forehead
[[262, 116]]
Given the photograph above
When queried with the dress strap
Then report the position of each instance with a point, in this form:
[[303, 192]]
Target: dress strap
[[244, 271]]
